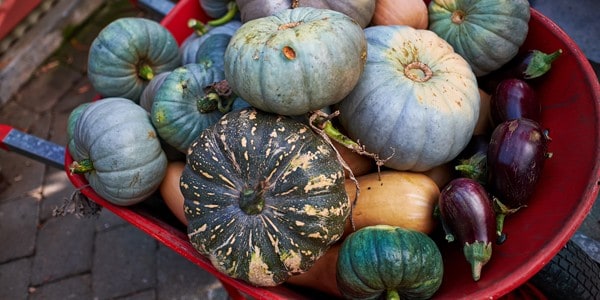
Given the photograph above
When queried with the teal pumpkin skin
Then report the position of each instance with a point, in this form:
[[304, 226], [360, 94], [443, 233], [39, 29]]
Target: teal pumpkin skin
[[211, 52], [189, 48], [360, 10], [127, 53], [176, 114], [413, 120], [384, 262], [487, 33], [296, 61], [118, 150], [147, 97], [264, 196]]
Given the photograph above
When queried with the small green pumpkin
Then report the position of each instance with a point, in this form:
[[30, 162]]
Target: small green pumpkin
[[487, 33], [181, 108], [389, 262], [296, 61], [127, 53], [115, 146], [264, 196]]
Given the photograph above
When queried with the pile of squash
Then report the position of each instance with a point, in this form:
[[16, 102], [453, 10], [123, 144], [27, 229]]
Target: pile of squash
[[300, 142]]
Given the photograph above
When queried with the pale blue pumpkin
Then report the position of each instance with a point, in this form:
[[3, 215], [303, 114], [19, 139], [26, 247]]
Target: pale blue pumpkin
[[117, 149], [417, 102]]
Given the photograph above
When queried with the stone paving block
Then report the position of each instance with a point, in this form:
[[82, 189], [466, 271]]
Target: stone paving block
[[179, 278], [74, 288], [14, 279], [124, 262], [143, 295], [64, 248], [107, 220], [75, 51], [55, 190], [18, 228], [55, 82]]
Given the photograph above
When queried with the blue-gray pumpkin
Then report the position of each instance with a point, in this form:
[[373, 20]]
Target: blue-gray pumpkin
[[487, 33], [296, 61], [181, 108], [117, 149], [417, 102], [127, 53]]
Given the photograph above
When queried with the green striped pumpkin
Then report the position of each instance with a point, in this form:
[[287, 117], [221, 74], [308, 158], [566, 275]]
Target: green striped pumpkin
[[264, 196]]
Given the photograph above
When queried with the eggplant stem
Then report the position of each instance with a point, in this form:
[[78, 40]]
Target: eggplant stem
[[502, 211], [540, 63], [477, 254]]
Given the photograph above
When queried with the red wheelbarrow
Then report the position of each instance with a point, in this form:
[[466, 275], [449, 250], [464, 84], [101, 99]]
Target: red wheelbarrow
[[567, 191]]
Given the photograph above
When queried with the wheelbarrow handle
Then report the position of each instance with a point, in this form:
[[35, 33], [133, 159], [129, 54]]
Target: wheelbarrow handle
[[44, 151]]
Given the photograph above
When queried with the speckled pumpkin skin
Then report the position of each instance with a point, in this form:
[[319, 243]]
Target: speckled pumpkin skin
[[264, 196]]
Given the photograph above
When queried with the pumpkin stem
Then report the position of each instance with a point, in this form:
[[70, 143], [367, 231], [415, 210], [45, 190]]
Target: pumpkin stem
[[219, 96], [198, 27], [540, 63], [251, 201], [458, 17], [145, 72], [81, 167], [232, 10], [418, 71], [392, 295]]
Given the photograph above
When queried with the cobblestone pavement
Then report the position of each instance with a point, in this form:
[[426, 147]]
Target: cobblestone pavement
[[46, 257]]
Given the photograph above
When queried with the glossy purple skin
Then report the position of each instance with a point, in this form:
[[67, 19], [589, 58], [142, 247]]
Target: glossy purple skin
[[514, 98], [466, 211], [516, 157]]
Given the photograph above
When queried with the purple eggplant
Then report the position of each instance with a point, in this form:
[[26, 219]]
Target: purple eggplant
[[467, 215], [516, 155], [527, 66], [513, 99]]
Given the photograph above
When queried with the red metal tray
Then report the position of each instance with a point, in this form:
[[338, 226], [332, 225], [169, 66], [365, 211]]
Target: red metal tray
[[569, 185]]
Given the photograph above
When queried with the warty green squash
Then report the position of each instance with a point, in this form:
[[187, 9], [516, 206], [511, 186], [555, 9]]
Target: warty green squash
[[417, 101], [264, 196]]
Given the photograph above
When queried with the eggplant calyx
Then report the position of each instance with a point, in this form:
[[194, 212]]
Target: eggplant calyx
[[502, 211], [474, 167], [477, 254], [540, 63]]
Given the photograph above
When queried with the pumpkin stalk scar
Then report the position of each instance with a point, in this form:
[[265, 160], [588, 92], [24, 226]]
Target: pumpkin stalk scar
[[418, 71]]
